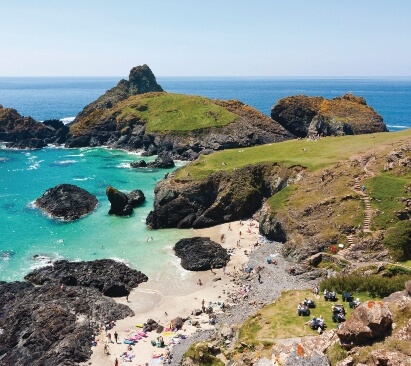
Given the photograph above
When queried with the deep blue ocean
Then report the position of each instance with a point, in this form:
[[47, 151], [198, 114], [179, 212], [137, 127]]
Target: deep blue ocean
[[25, 175]]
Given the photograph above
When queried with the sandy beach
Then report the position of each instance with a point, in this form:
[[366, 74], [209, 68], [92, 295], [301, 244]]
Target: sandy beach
[[149, 302]]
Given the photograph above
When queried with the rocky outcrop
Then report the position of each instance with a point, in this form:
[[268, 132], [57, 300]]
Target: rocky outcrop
[[67, 202], [310, 116], [26, 133], [141, 80], [201, 254], [119, 119], [220, 197], [163, 161], [122, 204], [270, 227], [48, 326], [309, 352], [112, 278], [370, 321]]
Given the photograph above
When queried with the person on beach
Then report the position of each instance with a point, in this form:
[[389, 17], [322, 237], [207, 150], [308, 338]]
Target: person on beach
[[199, 282], [115, 336], [109, 337], [229, 227], [116, 362]]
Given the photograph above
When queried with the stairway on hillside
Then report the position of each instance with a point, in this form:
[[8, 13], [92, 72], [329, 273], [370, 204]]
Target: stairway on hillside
[[366, 200]]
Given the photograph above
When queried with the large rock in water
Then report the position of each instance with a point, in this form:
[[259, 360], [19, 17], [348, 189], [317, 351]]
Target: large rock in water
[[122, 204], [67, 202], [112, 278], [47, 326], [26, 133], [201, 254], [308, 116]]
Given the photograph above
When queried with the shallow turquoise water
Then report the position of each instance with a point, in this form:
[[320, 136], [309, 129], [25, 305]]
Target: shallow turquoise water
[[26, 231]]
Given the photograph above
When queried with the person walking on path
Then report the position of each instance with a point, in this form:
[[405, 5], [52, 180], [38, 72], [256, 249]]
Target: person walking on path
[[115, 336]]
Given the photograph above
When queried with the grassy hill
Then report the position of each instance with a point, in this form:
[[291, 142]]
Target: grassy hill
[[312, 154], [161, 112]]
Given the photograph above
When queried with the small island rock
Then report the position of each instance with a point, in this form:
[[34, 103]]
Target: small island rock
[[201, 254], [67, 202], [122, 204]]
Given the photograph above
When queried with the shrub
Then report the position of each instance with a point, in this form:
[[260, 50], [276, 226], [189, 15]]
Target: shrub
[[398, 241], [374, 285]]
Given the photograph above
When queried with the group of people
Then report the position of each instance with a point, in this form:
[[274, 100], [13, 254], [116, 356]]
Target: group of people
[[338, 313], [317, 323], [330, 295], [303, 307]]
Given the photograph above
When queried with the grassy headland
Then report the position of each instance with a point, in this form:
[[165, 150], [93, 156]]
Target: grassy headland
[[161, 112], [311, 154]]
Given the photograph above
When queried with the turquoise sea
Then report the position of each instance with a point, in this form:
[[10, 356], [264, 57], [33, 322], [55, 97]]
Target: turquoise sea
[[25, 175]]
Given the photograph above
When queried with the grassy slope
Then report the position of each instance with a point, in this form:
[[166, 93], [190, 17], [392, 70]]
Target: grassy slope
[[312, 154], [163, 112], [280, 320]]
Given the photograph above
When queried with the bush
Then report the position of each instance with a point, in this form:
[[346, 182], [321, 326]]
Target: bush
[[398, 241], [374, 285]]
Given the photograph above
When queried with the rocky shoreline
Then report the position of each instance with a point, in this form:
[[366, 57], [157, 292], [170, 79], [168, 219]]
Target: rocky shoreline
[[275, 278]]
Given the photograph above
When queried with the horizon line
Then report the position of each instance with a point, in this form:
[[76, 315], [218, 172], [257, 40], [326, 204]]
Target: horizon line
[[221, 76]]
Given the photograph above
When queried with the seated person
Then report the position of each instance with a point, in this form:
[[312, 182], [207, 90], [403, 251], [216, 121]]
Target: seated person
[[355, 304], [338, 317], [302, 309], [346, 296], [326, 294]]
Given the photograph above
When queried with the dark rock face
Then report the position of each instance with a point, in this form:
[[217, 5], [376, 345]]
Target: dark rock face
[[26, 133], [220, 197], [112, 278], [67, 202], [308, 116], [163, 161], [47, 326], [201, 254], [122, 204], [136, 198], [370, 321], [138, 164]]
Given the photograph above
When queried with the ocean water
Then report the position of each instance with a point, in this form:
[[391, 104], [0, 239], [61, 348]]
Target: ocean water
[[25, 175]]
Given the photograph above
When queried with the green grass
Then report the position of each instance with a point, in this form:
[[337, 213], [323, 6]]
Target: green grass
[[279, 200], [280, 320], [167, 112], [313, 155], [385, 191]]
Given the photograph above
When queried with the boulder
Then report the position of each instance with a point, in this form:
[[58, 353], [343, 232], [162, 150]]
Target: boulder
[[310, 116], [67, 202], [119, 202], [112, 278], [371, 320], [122, 204], [163, 161], [201, 254], [138, 164], [136, 198], [45, 325], [177, 323]]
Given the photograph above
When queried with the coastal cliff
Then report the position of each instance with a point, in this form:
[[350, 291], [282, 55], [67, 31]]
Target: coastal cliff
[[310, 116], [25, 133], [314, 196], [219, 197]]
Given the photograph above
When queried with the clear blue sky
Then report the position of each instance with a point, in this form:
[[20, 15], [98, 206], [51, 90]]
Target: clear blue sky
[[206, 38]]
